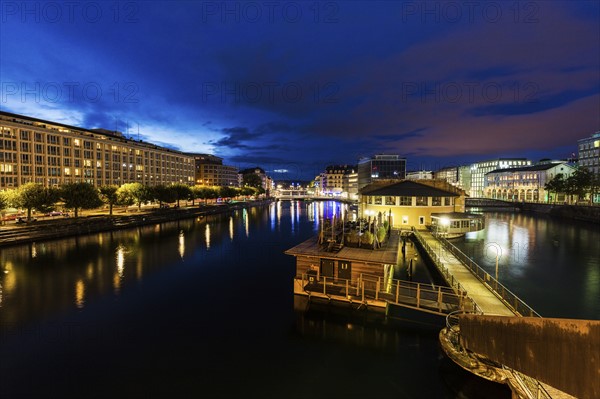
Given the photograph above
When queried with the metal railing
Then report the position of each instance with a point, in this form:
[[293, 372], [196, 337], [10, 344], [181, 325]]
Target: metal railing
[[425, 297], [504, 294]]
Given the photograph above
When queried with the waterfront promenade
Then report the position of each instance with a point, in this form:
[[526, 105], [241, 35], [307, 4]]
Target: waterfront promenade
[[52, 228]]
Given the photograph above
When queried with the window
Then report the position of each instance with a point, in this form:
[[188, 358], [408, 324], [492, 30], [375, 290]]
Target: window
[[390, 200], [436, 201], [421, 201], [377, 200], [421, 220], [405, 201], [404, 219], [447, 201]]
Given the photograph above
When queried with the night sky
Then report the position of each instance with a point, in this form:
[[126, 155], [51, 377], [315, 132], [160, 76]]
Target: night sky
[[300, 85]]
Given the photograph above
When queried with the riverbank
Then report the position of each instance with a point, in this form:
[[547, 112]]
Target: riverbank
[[60, 227], [582, 213]]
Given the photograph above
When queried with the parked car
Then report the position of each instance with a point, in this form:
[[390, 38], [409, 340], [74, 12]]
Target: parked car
[[54, 213]]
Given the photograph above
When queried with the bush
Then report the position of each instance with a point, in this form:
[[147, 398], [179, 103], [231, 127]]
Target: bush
[[381, 234], [367, 238]]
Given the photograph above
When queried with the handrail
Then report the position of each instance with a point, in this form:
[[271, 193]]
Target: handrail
[[508, 297], [504, 294], [436, 299], [444, 270]]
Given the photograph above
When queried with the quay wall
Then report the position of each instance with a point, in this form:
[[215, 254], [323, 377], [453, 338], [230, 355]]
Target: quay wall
[[576, 212], [563, 353], [69, 227]]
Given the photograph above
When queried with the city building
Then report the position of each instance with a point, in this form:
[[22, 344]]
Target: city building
[[52, 154], [210, 171], [459, 176], [410, 203], [589, 153], [419, 175], [380, 167], [479, 170], [266, 181], [526, 183], [339, 181]]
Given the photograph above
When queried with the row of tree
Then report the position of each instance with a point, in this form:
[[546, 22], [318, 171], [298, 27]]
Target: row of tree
[[78, 196], [580, 185]]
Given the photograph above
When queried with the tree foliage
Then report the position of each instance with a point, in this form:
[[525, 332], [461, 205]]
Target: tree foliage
[[108, 194], [78, 196], [134, 193], [35, 196]]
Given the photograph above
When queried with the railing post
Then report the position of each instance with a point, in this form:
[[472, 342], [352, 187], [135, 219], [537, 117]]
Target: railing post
[[362, 283], [440, 299], [418, 295], [324, 285], [347, 288], [397, 290], [377, 289]]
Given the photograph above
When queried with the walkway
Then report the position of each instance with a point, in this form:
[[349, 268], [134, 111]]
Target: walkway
[[459, 276]]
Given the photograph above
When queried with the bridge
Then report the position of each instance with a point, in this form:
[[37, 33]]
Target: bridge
[[489, 203], [505, 340]]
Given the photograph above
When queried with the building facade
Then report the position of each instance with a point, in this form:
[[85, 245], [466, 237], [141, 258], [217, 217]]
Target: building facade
[[210, 171], [52, 154], [419, 175], [410, 203], [480, 169], [589, 153], [380, 167], [339, 180], [526, 183]]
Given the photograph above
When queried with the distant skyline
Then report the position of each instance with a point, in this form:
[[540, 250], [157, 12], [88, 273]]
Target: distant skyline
[[302, 85]]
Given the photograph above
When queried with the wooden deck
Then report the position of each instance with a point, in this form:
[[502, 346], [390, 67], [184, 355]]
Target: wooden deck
[[388, 254]]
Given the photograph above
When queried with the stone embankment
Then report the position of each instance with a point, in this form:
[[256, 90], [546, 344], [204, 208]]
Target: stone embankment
[[584, 213], [56, 228]]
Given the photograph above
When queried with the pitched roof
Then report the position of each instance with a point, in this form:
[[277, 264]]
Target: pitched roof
[[407, 188]]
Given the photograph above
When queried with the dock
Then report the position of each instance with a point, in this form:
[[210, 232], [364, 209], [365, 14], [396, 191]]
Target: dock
[[464, 275]]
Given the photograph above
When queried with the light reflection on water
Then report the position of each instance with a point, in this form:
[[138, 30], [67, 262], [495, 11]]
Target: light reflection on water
[[553, 265]]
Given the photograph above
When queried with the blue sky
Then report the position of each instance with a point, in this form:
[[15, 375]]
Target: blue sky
[[299, 85]]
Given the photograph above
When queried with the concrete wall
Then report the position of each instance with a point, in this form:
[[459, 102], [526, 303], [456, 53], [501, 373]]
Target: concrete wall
[[563, 353]]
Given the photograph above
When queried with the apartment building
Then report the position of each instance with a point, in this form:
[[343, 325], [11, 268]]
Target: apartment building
[[52, 154], [589, 153], [210, 171]]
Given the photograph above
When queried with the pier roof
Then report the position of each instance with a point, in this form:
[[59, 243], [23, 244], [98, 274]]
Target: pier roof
[[386, 255]]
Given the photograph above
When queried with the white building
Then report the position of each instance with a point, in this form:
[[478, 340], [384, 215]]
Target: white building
[[480, 169], [525, 183]]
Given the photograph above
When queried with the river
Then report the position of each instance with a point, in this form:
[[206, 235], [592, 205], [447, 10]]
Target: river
[[204, 308]]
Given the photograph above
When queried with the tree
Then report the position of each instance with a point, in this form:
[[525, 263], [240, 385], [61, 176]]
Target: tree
[[579, 183], [134, 193], [556, 185], [182, 192], [162, 193], [109, 196], [196, 193], [80, 196], [227, 192], [248, 191], [35, 196], [252, 180]]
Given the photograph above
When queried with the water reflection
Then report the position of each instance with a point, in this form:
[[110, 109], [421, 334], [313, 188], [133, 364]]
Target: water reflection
[[79, 293], [181, 246], [553, 265], [207, 235]]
